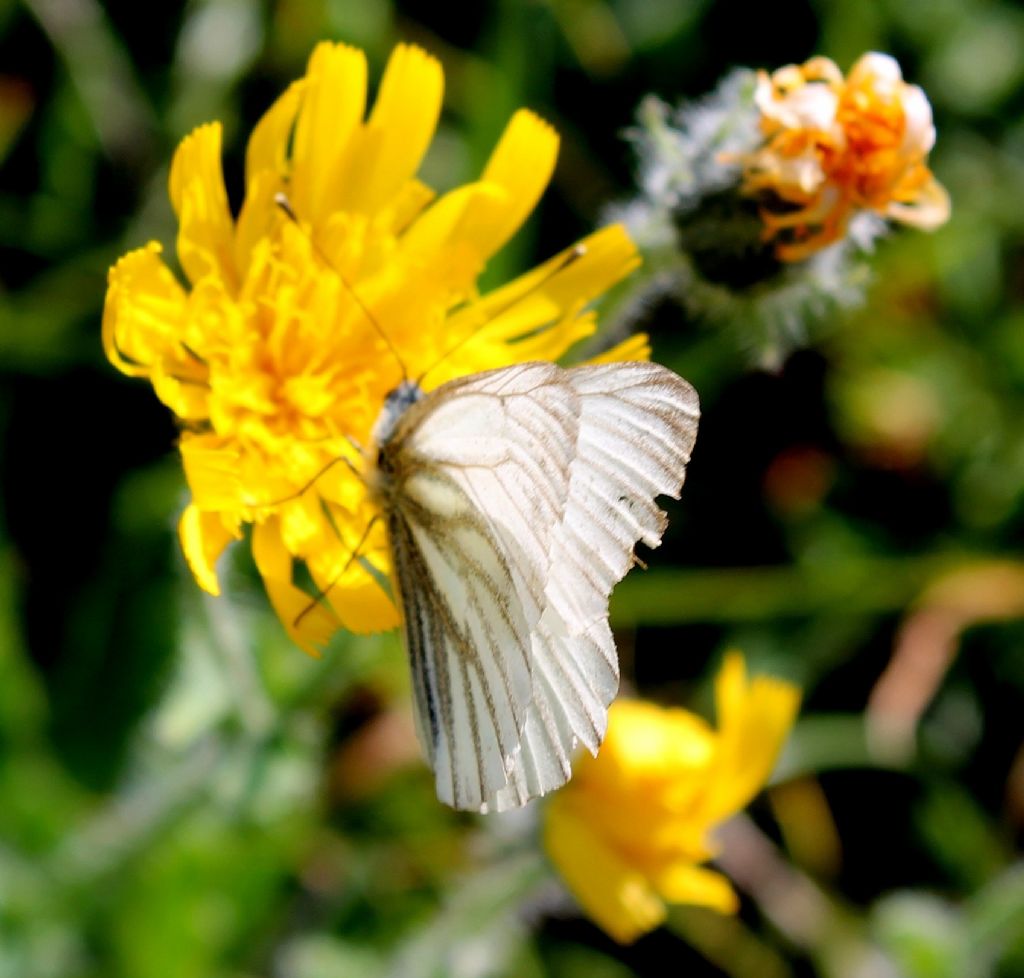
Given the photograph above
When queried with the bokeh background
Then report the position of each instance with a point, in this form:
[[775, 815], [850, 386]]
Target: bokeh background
[[182, 793]]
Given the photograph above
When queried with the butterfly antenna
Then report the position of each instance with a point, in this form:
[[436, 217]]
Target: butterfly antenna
[[570, 257], [282, 201]]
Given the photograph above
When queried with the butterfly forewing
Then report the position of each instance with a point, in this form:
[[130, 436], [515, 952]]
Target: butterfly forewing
[[480, 476]]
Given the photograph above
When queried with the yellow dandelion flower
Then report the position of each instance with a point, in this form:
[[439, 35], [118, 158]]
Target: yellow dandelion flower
[[835, 146], [279, 353], [631, 830]]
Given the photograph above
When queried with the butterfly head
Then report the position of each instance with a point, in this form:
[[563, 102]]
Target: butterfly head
[[398, 401], [380, 474]]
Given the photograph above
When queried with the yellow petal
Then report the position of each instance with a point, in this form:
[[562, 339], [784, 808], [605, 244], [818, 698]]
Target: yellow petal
[[186, 395], [685, 882], [637, 347], [308, 623], [551, 342], [143, 309], [267, 151], [212, 472], [342, 575], [408, 205], [441, 225], [649, 741], [620, 900], [646, 786], [363, 606], [205, 228], [203, 538], [551, 296], [398, 133], [483, 216], [257, 219], [266, 175], [754, 719], [333, 102], [304, 529], [144, 316], [567, 281], [360, 603], [521, 166]]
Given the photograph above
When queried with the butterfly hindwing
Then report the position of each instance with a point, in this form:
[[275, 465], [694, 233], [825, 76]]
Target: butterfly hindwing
[[467, 642]]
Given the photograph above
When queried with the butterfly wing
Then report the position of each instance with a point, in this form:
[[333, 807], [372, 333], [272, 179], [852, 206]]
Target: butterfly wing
[[638, 424], [524, 491], [483, 469]]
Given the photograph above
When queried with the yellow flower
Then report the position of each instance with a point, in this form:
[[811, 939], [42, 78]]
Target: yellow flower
[[835, 146], [630, 831], [270, 357]]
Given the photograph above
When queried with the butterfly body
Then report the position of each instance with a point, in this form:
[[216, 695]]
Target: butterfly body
[[513, 499]]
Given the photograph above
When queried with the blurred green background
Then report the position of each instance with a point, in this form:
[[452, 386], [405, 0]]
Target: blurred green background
[[184, 794]]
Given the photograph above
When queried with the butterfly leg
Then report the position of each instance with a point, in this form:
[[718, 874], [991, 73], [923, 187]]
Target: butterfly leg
[[324, 469], [322, 593]]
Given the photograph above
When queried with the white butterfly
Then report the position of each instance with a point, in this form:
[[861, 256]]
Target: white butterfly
[[513, 500]]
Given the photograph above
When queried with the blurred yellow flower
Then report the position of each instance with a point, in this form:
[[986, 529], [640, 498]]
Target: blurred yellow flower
[[835, 146], [630, 831], [270, 359]]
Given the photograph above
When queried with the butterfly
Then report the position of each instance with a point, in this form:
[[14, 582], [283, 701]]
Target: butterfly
[[513, 499]]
